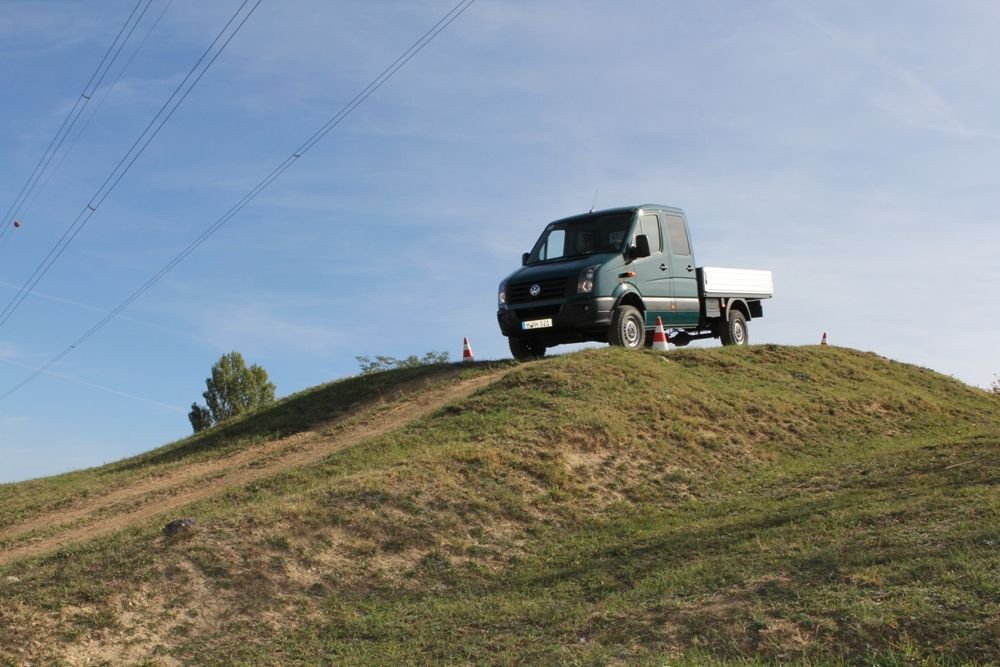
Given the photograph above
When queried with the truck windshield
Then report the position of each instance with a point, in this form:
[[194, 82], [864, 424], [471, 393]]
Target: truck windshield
[[582, 236]]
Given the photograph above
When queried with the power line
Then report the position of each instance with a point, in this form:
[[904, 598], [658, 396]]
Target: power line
[[104, 98], [72, 117], [131, 155], [325, 129]]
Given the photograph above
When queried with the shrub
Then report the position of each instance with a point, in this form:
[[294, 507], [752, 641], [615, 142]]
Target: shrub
[[383, 363]]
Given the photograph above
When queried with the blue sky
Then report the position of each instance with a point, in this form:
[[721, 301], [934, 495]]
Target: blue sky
[[850, 147]]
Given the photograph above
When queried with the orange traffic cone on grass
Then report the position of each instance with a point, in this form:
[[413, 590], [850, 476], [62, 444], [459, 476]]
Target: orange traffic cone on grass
[[660, 337], [466, 350]]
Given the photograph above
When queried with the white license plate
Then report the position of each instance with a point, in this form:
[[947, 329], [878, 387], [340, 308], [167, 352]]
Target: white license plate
[[537, 324]]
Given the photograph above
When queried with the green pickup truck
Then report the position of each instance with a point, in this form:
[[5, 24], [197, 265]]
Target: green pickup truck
[[607, 275]]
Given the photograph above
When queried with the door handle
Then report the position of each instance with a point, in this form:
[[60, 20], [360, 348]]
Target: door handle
[[690, 268], [663, 267]]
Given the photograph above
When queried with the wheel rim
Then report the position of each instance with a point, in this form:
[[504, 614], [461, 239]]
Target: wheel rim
[[739, 333], [631, 333]]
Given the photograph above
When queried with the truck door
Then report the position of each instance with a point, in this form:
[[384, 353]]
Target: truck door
[[652, 275], [684, 283]]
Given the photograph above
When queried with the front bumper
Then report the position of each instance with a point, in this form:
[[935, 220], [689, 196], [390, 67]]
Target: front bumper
[[572, 321]]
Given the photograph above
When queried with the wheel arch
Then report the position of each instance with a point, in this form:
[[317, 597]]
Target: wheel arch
[[740, 305], [631, 298]]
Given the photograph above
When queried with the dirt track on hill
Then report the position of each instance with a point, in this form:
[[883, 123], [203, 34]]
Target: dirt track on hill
[[93, 517]]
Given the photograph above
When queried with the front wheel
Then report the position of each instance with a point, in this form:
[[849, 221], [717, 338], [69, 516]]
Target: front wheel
[[628, 328], [735, 331], [526, 349]]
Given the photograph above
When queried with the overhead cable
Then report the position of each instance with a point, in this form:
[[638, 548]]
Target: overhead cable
[[176, 98], [325, 129], [110, 56], [94, 112]]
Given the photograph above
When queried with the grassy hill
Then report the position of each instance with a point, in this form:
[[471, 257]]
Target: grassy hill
[[811, 505]]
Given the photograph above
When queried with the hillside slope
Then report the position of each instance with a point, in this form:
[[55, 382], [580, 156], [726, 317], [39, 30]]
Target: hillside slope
[[809, 504]]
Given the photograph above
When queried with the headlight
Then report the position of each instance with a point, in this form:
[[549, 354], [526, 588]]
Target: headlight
[[502, 294], [585, 283]]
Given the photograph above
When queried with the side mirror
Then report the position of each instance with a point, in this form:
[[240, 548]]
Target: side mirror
[[641, 247], [524, 259]]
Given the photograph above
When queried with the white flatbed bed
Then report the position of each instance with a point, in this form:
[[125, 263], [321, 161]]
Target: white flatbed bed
[[746, 283]]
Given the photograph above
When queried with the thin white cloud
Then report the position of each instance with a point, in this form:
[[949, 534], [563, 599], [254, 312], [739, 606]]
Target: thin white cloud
[[95, 309], [92, 385], [260, 323], [36, 29], [9, 421], [908, 98], [8, 351]]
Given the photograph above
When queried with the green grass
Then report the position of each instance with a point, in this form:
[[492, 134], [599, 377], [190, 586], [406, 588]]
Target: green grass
[[293, 414], [725, 506]]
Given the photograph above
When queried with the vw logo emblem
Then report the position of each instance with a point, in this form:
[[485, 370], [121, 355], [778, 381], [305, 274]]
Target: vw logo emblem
[[535, 290]]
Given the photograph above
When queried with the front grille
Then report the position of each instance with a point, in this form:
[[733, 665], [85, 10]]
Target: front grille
[[551, 288], [537, 313]]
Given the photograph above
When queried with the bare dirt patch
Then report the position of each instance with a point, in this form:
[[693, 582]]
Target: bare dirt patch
[[94, 517]]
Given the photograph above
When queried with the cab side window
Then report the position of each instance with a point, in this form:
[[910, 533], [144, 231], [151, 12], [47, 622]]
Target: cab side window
[[650, 226], [678, 236]]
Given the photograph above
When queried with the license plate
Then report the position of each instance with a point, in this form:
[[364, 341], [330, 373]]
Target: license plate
[[537, 324]]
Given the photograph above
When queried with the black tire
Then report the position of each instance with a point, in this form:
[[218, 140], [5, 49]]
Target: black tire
[[735, 330], [526, 349], [628, 328]]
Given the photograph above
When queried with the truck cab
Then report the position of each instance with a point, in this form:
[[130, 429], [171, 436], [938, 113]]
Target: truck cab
[[607, 276]]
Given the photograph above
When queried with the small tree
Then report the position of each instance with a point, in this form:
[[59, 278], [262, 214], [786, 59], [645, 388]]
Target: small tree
[[232, 390], [200, 417], [995, 387]]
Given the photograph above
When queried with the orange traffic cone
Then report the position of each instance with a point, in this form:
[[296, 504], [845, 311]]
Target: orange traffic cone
[[660, 337], [466, 350], [823, 341]]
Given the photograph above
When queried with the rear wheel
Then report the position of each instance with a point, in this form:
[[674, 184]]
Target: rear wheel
[[735, 331], [526, 349], [628, 328]]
